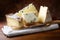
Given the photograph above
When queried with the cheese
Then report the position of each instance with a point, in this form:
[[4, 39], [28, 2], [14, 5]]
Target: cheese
[[30, 8], [29, 17], [13, 22], [31, 12], [42, 14]]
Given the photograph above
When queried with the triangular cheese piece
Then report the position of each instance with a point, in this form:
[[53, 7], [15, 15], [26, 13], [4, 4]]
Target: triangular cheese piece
[[28, 9]]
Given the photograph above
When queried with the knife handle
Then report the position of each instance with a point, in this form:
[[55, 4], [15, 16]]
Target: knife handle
[[53, 22]]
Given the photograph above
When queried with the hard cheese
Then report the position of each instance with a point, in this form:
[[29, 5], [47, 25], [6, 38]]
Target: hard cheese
[[42, 14]]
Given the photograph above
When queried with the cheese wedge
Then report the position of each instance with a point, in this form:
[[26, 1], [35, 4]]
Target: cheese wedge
[[28, 9], [13, 22], [42, 14]]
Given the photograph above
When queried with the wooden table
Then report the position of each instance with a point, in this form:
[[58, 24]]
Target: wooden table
[[48, 35]]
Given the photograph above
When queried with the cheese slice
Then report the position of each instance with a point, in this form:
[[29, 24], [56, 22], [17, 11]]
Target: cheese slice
[[30, 8], [42, 14]]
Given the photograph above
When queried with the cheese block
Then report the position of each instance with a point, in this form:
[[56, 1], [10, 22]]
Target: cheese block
[[13, 22], [30, 8], [42, 14]]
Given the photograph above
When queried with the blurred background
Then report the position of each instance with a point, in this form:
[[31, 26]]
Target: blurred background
[[12, 6]]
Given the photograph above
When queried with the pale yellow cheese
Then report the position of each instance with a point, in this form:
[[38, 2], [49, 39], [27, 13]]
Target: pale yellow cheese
[[13, 23], [28, 9], [42, 14]]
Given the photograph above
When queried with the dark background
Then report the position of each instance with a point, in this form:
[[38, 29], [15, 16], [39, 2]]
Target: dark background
[[12, 6]]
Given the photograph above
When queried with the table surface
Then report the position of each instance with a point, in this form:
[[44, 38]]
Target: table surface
[[48, 35]]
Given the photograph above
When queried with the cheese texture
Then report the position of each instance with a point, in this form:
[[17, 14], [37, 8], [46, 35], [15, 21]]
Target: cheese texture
[[29, 17]]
